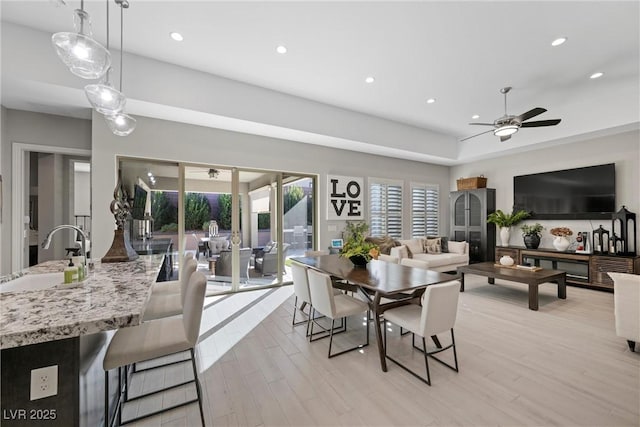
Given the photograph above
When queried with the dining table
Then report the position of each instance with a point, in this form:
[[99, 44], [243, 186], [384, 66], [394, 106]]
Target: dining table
[[397, 284]]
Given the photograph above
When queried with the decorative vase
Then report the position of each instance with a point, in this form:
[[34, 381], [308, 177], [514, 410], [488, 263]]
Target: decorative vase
[[504, 235], [506, 260], [358, 261], [531, 241], [561, 243]]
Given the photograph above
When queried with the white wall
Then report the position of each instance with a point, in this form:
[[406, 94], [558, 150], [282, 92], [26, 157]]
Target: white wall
[[166, 140], [33, 128], [622, 149], [81, 193]]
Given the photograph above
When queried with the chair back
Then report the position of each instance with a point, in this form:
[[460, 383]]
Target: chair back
[[185, 275], [321, 292], [439, 308], [300, 282], [193, 306], [245, 257]]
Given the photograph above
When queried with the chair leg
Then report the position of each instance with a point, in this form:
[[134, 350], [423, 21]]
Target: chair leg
[[198, 389], [426, 360], [344, 322], [106, 398], [632, 345]]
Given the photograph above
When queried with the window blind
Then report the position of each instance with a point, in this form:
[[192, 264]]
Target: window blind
[[385, 200], [424, 210]]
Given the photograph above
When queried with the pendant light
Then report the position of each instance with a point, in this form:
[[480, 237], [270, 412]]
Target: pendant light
[[104, 98], [84, 56], [121, 124]]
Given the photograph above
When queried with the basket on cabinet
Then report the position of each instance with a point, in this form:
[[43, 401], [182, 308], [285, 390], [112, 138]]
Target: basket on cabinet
[[472, 183]]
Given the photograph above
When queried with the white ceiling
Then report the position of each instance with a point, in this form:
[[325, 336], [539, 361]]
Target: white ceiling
[[460, 53]]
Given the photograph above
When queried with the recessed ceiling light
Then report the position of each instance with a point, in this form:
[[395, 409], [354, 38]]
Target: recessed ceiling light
[[596, 75], [177, 36], [369, 79], [475, 116], [431, 100], [281, 49], [558, 41]]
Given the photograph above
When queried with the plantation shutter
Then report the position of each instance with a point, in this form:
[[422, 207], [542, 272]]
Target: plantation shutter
[[385, 200], [424, 210]]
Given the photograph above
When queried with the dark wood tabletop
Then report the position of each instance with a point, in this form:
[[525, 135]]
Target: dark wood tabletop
[[379, 276], [514, 274]]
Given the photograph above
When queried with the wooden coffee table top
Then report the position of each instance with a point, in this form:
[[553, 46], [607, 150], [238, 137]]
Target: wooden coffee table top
[[488, 269]]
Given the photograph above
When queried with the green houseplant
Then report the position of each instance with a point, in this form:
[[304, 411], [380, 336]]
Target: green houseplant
[[505, 221], [531, 234], [355, 247]]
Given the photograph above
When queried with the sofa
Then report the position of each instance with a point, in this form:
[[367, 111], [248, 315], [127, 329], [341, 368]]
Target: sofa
[[223, 266], [266, 260], [432, 253]]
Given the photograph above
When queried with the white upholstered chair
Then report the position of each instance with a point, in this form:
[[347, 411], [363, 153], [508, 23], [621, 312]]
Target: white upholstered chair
[[157, 338], [170, 286], [333, 306], [436, 315], [626, 300], [301, 291], [170, 303]]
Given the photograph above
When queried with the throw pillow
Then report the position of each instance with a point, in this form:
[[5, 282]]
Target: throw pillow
[[415, 246], [432, 246], [457, 247], [444, 244]]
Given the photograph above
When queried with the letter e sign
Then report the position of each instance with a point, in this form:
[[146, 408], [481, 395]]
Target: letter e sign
[[346, 197]]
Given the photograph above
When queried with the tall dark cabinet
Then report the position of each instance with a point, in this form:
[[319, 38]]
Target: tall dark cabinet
[[469, 210]]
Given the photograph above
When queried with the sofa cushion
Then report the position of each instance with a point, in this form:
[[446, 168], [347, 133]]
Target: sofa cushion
[[437, 260], [457, 247], [415, 246], [416, 263]]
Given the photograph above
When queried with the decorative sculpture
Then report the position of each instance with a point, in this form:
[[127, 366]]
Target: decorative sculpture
[[121, 250]]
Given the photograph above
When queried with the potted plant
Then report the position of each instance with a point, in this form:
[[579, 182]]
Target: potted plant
[[505, 221], [355, 247], [531, 234]]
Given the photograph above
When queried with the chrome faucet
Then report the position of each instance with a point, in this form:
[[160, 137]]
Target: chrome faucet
[[47, 240]]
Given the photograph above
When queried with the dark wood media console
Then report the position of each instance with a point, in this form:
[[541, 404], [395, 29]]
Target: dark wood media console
[[586, 270]]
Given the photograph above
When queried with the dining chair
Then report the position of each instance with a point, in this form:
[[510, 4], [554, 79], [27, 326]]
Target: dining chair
[[153, 339], [333, 306], [170, 304], [436, 315], [301, 292]]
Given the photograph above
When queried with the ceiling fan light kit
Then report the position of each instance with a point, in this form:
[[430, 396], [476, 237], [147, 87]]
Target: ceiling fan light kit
[[508, 125]]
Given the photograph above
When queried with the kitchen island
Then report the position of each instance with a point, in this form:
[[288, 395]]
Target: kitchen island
[[69, 328]]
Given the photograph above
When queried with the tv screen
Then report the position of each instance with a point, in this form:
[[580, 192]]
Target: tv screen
[[139, 202], [582, 193]]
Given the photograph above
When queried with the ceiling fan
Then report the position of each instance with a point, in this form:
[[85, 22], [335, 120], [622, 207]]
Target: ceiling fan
[[507, 125]]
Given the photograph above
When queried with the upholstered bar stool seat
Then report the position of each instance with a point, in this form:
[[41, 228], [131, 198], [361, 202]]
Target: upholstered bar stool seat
[[157, 338]]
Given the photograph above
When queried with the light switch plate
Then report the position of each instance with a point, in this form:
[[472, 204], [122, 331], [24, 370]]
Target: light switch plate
[[44, 382]]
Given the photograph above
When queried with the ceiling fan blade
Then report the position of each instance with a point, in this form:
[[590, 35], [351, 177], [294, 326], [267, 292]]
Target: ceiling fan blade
[[504, 138], [477, 134], [530, 114], [482, 124], [539, 123]]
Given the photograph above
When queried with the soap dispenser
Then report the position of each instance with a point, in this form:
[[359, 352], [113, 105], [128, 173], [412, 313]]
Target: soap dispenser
[[70, 273]]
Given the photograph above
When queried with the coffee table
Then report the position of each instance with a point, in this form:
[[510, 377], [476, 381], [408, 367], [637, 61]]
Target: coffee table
[[531, 278]]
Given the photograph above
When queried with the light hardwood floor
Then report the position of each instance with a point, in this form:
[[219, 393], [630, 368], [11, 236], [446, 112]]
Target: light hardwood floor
[[562, 365]]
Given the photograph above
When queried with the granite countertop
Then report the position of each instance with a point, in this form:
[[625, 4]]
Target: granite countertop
[[114, 295]]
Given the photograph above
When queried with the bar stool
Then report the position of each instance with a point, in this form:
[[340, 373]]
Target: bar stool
[[153, 339], [170, 286], [169, 303]]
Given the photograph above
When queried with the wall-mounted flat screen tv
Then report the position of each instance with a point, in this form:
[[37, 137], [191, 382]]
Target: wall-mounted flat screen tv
[[582, 193], [139, 202]]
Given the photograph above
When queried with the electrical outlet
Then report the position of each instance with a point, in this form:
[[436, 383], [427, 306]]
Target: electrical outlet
[[44, 382]]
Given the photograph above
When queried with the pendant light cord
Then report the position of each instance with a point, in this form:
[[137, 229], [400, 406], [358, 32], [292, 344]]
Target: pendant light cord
[[121, 42], [82, 17]]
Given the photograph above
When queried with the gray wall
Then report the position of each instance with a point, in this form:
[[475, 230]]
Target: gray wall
[[33, 128], [166, 140], [622, 149]]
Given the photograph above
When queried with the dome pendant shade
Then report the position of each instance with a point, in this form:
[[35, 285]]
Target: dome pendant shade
[[105, 98], [84, 56], [121, 124]]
